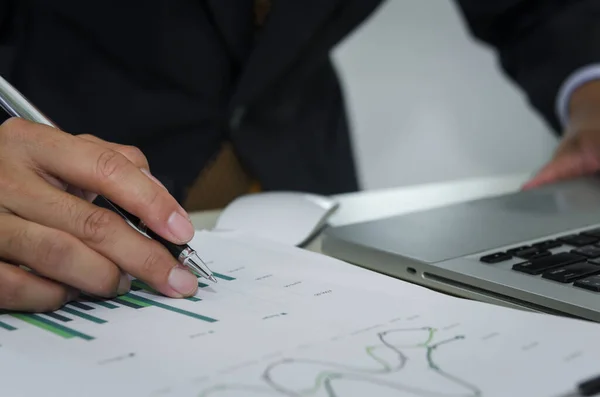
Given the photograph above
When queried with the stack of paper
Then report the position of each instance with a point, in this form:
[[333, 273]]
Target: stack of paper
[[287, 322]]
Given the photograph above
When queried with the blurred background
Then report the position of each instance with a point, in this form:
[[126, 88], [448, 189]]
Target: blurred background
[[428, 103]]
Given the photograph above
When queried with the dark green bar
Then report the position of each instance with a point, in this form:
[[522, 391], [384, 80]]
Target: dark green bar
[[51, 326], [81, 306], [125, 302], [7, 327], [193, 299], [59, 317], [108, 305], [141, 300], [223, 277], [83, 315], [202, 285], [138, 284]]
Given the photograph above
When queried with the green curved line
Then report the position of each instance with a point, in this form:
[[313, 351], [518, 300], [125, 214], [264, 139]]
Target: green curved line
[[432, 332], [370, 353], [322, 376]]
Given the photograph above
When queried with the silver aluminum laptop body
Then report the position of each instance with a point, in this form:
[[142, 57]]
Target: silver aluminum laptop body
[[442, 248]]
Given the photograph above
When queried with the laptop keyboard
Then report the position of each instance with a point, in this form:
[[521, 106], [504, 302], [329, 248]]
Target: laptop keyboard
[[578, 263]]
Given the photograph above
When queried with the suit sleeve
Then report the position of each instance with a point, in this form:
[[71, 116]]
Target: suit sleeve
[[540, 43], [7, 13]]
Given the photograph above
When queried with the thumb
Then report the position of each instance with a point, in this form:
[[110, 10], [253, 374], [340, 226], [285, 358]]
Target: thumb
[[570, 161]]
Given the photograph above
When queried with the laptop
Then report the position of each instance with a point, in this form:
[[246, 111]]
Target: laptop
[[536, 250]]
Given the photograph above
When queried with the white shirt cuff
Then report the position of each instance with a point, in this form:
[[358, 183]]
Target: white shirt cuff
[[575, 80]]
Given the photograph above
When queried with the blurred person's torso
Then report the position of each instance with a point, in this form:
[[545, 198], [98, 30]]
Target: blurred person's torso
[[177, 78]]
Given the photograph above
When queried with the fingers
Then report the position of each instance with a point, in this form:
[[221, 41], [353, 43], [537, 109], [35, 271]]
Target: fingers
[[132, 153], [67, 239], [575, 157], [105, 171], [107, 236], [60, 257], [560, 168], [21, 290]]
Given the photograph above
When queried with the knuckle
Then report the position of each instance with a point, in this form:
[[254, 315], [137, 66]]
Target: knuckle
[[110, 163], [152, 198], [134, 154], [18, 240], [96, 225], [14, 127], [86, 136], [53, 250], [153, 262]]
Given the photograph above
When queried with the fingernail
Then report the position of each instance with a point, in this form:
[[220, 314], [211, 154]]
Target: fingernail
[[149, 175], [180, 227], [124, 284], [183, 281]]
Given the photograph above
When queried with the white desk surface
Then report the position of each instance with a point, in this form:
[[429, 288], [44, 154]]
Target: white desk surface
[[375, 204]]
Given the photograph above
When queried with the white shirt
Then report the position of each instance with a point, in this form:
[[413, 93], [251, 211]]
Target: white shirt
[[574, 81]]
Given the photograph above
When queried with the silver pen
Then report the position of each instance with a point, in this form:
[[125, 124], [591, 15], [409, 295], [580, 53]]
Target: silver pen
[[16, 105]]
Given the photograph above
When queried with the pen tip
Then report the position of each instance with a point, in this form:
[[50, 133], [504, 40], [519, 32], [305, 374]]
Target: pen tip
[[212, 278]]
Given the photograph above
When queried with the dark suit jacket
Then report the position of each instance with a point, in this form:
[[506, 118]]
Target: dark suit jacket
[[177, 77]]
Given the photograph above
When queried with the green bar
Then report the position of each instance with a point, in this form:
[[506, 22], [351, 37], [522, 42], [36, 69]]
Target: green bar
[[108, 305], [7, 327], [133, 299], [202, 285], [223, 277], [83, 315], [142, 285], [57, 316], [127, 303], [51, 326], [81, 305], [193, 299], [141, 300]]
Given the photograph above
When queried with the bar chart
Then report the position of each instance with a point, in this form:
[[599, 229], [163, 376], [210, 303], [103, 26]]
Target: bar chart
[[57, 323], [283, 322]]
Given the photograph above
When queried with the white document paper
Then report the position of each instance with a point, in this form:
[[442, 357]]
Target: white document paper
[[282, 321]]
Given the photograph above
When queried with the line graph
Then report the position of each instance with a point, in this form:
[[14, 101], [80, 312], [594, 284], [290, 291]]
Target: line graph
[[388, 360]]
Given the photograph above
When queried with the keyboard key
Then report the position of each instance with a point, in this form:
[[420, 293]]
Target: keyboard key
[[517, 249], [590, 283], [571, 273], [578, 240], [495, 258], [591, 251], [529, 253], [540, 265], [547, 245], [539, 255]]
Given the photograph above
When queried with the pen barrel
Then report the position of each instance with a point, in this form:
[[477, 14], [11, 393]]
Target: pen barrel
[[135, 222], [173, 248], [16, 105]]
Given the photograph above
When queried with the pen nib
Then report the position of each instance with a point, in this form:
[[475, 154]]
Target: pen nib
[[199, 267]]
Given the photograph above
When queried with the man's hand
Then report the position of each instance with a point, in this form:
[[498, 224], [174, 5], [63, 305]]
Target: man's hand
[[49, 226], [579, 152]]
